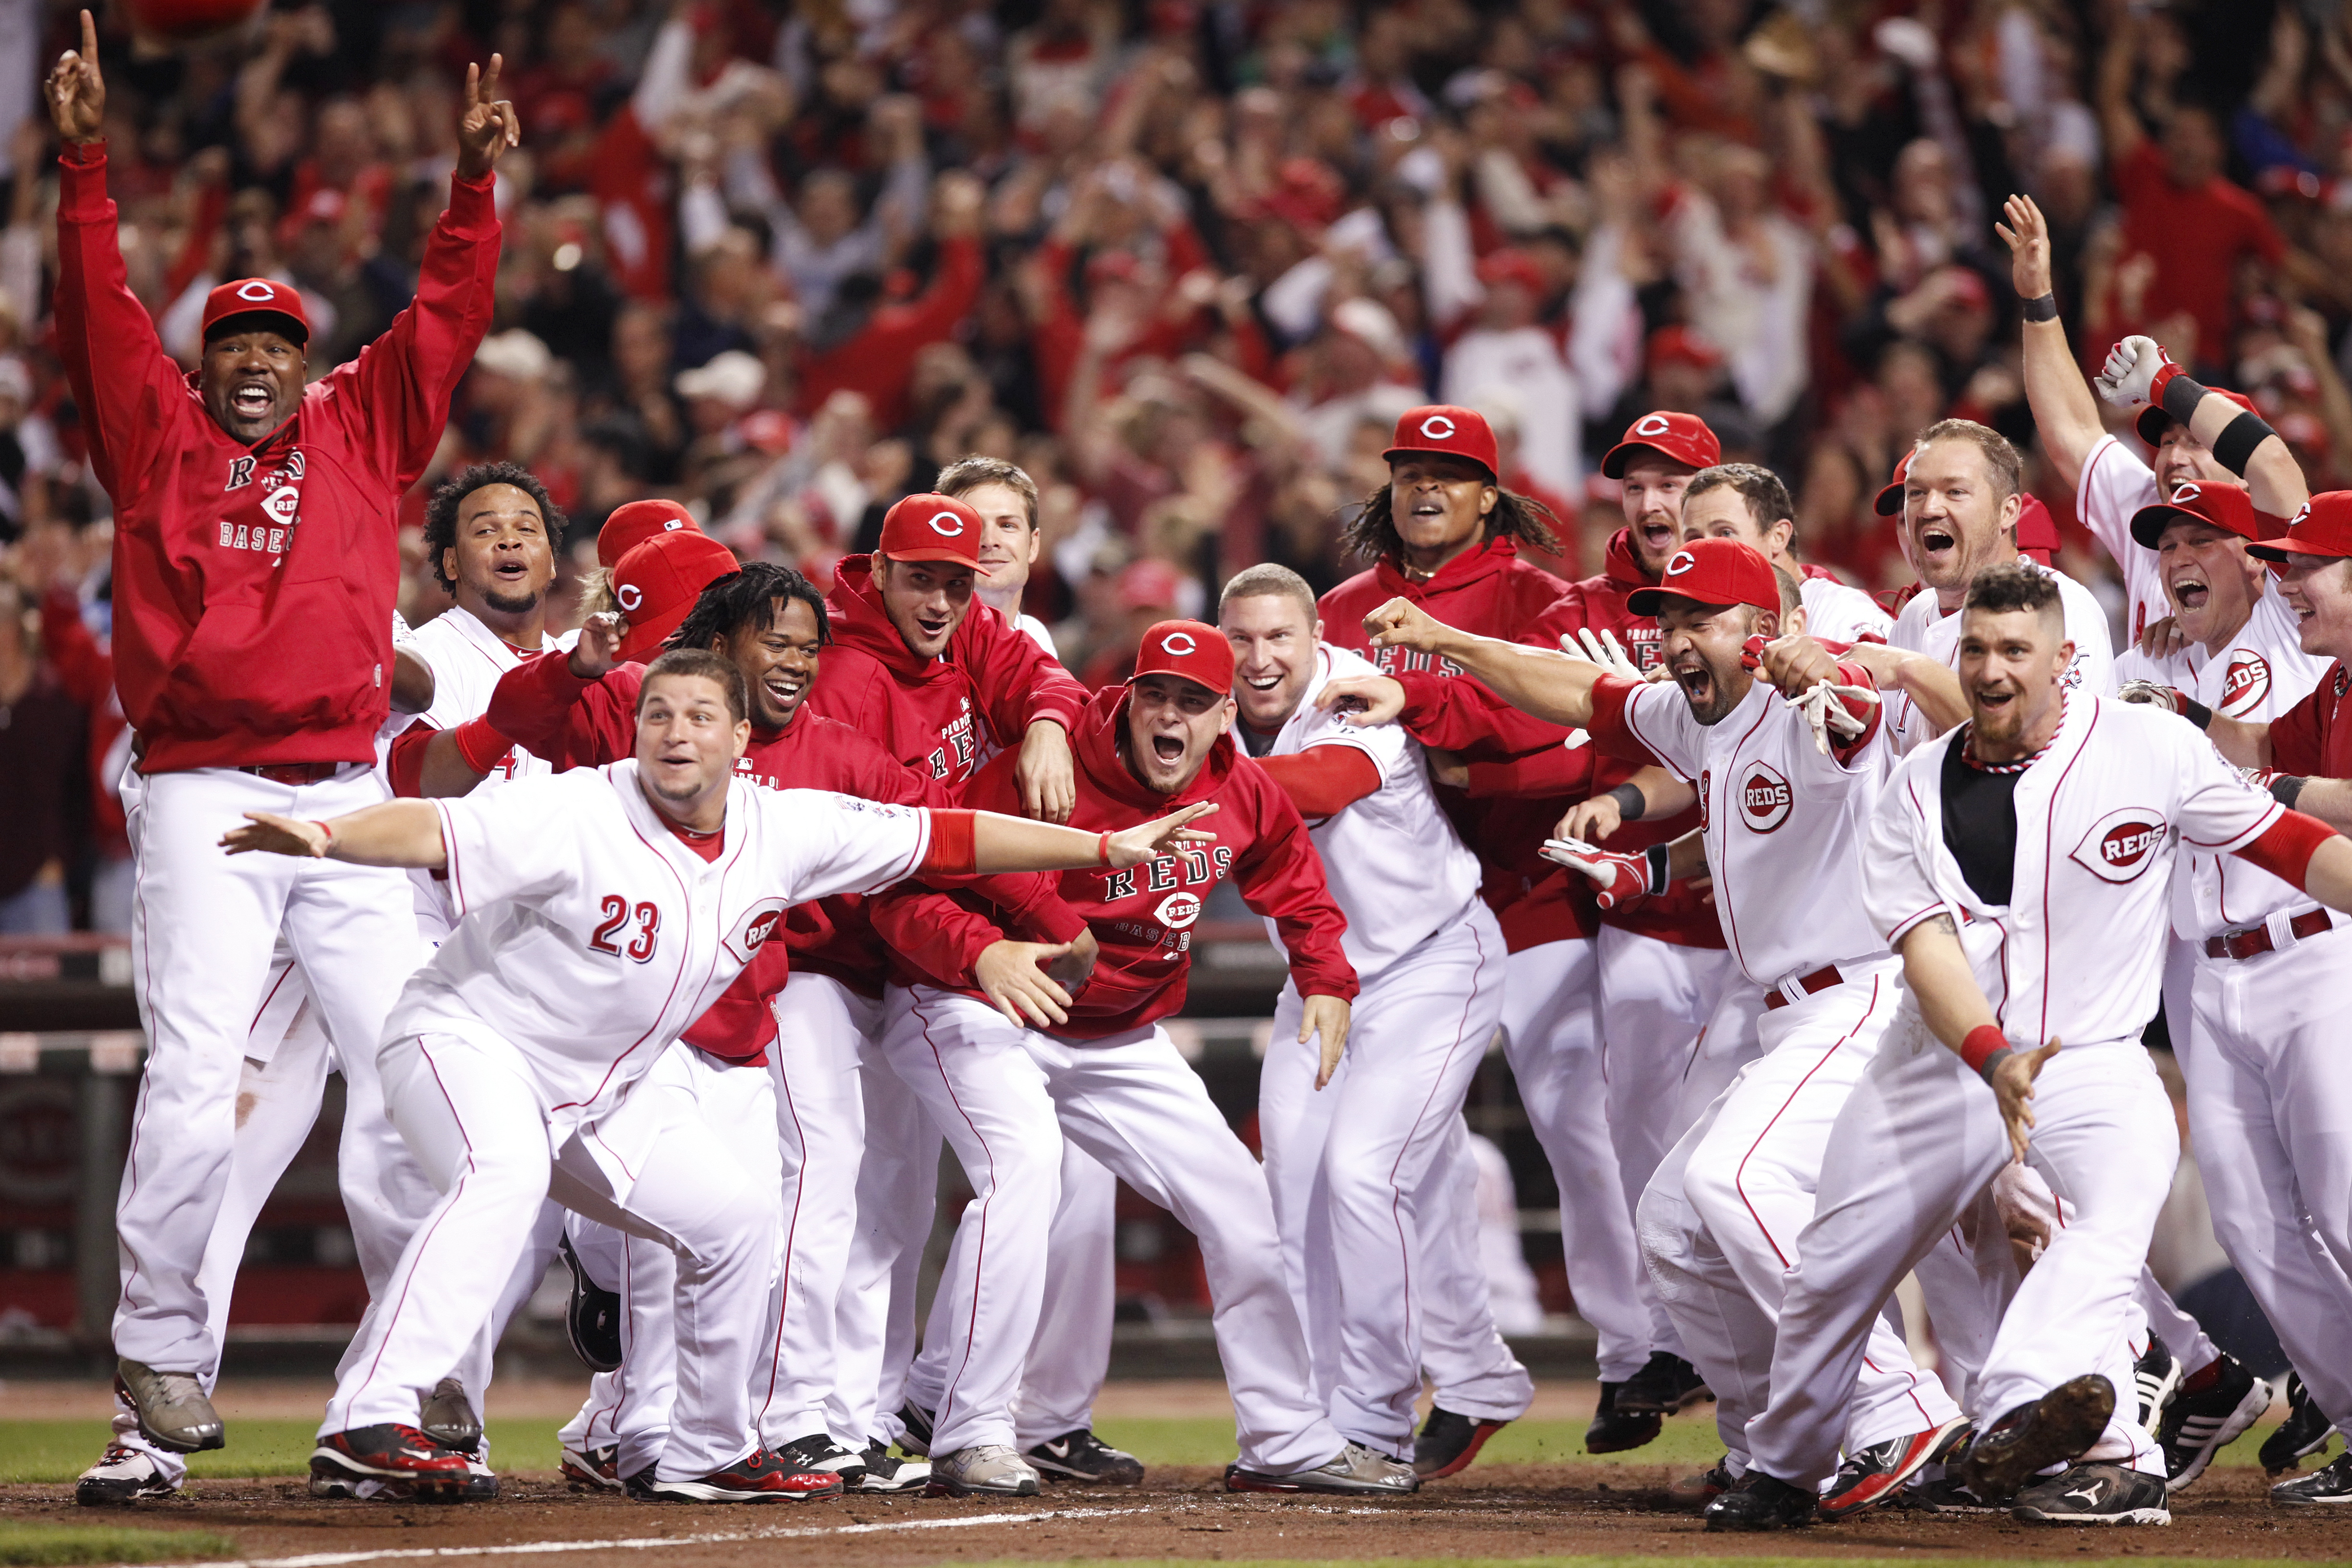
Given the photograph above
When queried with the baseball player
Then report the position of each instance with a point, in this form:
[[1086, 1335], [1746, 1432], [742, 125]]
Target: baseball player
[[1348, 1149], [602, 912], [1108, 1076], [1742, 501], [2025, 856], [1435, 537], [1006, 498], [254, 579]]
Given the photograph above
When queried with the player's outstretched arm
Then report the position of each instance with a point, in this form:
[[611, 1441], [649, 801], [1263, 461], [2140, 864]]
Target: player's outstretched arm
[[1554, 687], [396, 833], [2139, 372], [1001, 843], [1955, 1010], [2066, 415]]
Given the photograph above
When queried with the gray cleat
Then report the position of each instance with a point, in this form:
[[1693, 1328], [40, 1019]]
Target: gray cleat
[[173, 1411], [447, 1417], [1355, 1471], [990, 1469]]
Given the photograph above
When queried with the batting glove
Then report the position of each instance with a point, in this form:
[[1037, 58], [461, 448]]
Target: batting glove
[[2153, 693], [1602, 650], [2135, 373], [1825, 708], [1617, 880]]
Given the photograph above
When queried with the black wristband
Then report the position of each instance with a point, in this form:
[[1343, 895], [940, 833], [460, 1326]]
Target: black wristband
[[2196, 713], [1662, 865], [2040, 308], [2234, 448], [1631, 803], [1994, 1061], [2286, 789], [2181, 397]]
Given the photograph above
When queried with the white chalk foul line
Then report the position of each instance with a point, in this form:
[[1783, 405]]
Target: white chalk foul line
[[652, 1543]]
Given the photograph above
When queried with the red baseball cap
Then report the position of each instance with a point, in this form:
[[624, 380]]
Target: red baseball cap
[[1198, 653], [1679, 344], [1678, 437], [257, 297], [634, 522], [931, 527], [1890, 496], [656, 583], [2152, 420], [1511, 266], [2323, 527], [1149, 583], [2226, 507], [1446, 430], [2037, 530], [1712, 572]]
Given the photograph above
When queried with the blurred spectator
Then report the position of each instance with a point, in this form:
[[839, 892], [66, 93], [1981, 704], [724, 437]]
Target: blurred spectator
[[40, 772]]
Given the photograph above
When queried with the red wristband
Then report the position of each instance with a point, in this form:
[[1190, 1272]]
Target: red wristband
[[326, 829], [1102, 850], [482, 746], [1982, 1041]]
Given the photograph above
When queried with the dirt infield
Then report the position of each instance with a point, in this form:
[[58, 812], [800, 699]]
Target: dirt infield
[[1500, 1512]]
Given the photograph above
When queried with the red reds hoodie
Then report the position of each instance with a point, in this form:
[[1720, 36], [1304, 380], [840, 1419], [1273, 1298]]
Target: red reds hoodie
[[253, 585], [1144, 916]]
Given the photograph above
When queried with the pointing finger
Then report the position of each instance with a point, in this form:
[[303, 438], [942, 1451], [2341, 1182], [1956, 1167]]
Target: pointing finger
[[89, 37], [473, 86]]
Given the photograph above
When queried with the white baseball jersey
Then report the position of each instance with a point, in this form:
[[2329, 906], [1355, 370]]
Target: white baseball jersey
[[2078, 952], [1924, 628], [1835, 611], [2258, 675], [590, 935], [2115, 483], [1396, 867], [1783, 824]]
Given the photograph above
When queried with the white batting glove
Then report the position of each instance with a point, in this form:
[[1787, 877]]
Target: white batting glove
[[1824, 709], [1604, 649], [2154, 693], [2133, 368], [1617, 878]]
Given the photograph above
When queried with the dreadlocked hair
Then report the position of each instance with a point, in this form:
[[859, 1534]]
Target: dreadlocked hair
[[1371, 532], [441, 511], [745, 600]]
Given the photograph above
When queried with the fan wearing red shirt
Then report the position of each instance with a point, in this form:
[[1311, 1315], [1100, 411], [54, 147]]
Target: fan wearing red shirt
[[1109, 1079]]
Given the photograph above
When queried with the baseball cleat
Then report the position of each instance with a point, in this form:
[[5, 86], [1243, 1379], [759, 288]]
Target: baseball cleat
[[887, 1473], [2094, 1494], [1665, 1386], [122, 1475], [1875, 1475], [2155, 1378], [917, 1437], [173, 1410], [593, 1469], [1946, 1496], [2053, 1430], [2200, 1423], [1354, 1472], [758, 1477], [1080, 1456], [1697, 1491], [2332, 1482], [1448, 1443], [591, 1317], [2304, 1433], [1760, 1502], [1613, 1430], [818, 1451], [390, 1453], [447, 1417], [985, 1470]]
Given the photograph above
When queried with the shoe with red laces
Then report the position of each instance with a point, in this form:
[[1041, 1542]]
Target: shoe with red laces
[[391, 1453], [758, 1477]]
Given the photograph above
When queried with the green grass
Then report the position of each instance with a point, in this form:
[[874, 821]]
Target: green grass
[[59, 1450], [37, 1545], [1651, 1561]]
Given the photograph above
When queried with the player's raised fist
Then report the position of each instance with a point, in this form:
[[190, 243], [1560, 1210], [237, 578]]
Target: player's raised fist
[[488, 125], [1161, 835], [599, 647], [1362, 699], [2135, 373], [1400, 623], [75, 90]]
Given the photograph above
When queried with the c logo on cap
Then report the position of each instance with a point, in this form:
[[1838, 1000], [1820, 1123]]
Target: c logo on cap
[[629, 597], [1653, 425], [2186, 492], [1437, 428], [1178, 644], [2303, 515], [1683, 561], [245, 292], [954, 528]]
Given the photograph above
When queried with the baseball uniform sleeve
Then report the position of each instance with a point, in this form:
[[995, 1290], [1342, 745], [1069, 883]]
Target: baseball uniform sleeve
[[1388, 746], [123, 382], [2093, 670], [2114, 484], [521, 840], [837, 843], [1324, 780], [1555, 770], [1647, 721], [1897, 889], [550, 713], [2217, 809], [1017, 682], [1281, 877], [1457, 714]]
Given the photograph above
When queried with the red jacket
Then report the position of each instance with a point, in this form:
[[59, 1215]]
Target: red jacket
[[230, 656], [1144, 916], [87, 671], [1492, 592]]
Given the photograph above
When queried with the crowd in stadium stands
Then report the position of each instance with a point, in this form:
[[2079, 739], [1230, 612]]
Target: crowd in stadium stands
[[1184, 262]]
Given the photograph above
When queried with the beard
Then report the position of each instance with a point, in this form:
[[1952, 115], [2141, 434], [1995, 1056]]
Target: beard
[[510, 603]]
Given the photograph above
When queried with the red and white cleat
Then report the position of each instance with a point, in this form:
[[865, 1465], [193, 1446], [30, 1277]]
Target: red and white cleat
[[758, 1477]]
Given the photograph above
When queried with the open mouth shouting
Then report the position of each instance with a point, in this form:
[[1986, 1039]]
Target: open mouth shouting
[[254, 398], [1939, 544], [1698, 682], [1995, 701], [2191, 592], [1661, 537]]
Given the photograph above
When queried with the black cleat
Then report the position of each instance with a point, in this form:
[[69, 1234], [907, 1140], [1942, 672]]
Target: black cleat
[[2199, 1424], [396, 1455], [1448, 1443], [1666, 1385], [1082, 1457], [2094, 1494], [1875, 1475], [2302, 1434], [1946, 1496], [2053, 1430], [2155, 1378], [1760, 1502], [1697, 1491], [2332, 1482], [819, 1452], [1615, 1430], [592, 1320], [886, 1472], [917, 1437]]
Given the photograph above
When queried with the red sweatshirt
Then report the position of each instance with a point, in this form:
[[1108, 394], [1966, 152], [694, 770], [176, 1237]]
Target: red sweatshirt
[[878, 360], [87, 671], [1144, 916], [237, 645], [1492, 592]]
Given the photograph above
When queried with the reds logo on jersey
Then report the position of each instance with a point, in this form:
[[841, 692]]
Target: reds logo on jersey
[[2122, 844], [758, 925], [2244, 683], [1178, 910], [1397, 661], [1765, 798]]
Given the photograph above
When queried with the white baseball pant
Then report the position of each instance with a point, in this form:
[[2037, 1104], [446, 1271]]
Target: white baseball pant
[[1551, 1034], [203, 928], [1655, 1000], [1721, 1220], [1004, 1097], [1346, 1164], [2270, 1118], [1471, 1369], [897, 1200], [630, 1408], [1919, 1140], [473, 1118]]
